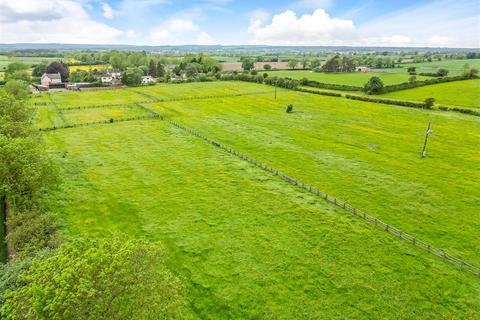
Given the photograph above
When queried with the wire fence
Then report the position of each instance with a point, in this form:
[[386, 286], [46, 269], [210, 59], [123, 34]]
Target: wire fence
[[153, 99], [340, 203], [86, 124], [157, 99]]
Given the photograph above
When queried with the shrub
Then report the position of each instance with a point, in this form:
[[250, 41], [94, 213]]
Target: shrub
[[289, 108], [31, 231], [267, 67], [442, 72], [429, 102], [374, 86]]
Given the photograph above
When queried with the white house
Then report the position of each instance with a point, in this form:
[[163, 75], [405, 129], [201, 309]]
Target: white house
[[105, 78], [50, 78], [362, 69], [114, 73], [148, 80]]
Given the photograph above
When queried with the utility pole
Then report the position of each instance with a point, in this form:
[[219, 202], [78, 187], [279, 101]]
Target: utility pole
[[427, 133], [275, 93]]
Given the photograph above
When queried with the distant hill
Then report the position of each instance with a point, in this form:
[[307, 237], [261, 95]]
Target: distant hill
[[214, 48]]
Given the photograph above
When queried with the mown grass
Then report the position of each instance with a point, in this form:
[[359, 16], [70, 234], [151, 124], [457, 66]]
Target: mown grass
[[458, 93], [76, 116], [367, 154], [98, 97], [352, 79], [197, 89], [248, 244], [454, 66]]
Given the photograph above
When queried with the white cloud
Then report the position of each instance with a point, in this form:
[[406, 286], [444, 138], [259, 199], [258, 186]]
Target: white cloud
[[315, 29], [61, 21], [107, 10], [175, 31]]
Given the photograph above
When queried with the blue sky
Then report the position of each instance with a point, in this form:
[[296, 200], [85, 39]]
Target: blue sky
[[445, 23]]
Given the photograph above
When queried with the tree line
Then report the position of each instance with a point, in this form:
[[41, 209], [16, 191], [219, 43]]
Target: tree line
[[49, 276]]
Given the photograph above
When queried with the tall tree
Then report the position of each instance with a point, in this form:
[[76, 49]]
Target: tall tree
[[103, 279], [248, 64], [160, 70], [292, 64], [152, 68], [55, 67]]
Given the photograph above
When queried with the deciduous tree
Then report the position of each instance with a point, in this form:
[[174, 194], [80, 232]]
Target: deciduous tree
[[102, 279]]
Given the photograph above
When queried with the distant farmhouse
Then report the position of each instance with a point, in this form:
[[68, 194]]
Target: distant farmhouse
[[362, 69], [148, 80], [48, 79], [105, 78]]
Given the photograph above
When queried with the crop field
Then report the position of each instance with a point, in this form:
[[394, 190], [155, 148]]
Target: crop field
[[353, 79], [250, 245], [458, 93], [100, 67]]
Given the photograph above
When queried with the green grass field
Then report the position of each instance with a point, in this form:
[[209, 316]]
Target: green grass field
[[100, 97], [454, 66], [248, 244], [458, 93], [30, 61], [352, 79]]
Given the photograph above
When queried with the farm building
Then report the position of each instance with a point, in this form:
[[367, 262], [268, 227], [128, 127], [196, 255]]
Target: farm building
[[105, 78], [362, 69], [48, 79], [148, 80], [114, 73]]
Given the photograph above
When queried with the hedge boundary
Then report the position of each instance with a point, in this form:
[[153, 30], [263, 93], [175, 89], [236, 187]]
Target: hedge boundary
[[110, 121]]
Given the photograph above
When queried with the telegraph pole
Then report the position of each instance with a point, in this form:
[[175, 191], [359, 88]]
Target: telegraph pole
[[427, 133]]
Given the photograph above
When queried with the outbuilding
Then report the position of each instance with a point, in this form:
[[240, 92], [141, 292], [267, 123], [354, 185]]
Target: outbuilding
[[48, 79]]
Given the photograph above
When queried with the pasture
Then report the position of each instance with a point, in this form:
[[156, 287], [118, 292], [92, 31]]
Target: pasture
[[250, 245], [352, 79], [453, 66], [457, 93], [30, 61]]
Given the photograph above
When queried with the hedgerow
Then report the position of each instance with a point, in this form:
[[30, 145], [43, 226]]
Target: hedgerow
[[272, 81], [415, 84], [316, 84], [323, 93]]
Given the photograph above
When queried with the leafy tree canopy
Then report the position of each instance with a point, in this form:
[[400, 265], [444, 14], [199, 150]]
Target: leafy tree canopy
[[374, 86], [55, 67], [106, 279]]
